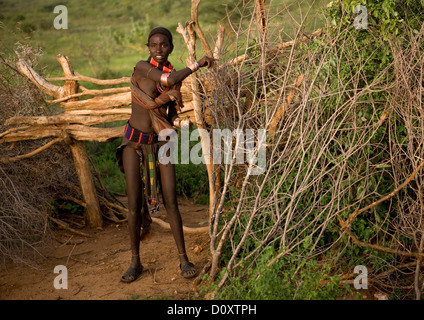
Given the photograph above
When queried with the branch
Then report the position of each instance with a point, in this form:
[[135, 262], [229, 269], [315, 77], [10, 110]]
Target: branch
[[345, 278], [190, 41], [70, 87], [40, 82], [102, 112], [357, 212], [186, 36], [200, 34], [101, 102], [382, 248], [166, 225], [261, 19], [5, 133], [291, 43], [66, 226], [30, 154], [234, 61], [219, 42], [75, 200], [283, 107]]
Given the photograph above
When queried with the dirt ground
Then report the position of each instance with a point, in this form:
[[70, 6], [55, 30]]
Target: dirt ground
[[95, 264]]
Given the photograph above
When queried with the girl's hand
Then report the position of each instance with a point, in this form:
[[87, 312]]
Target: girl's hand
[[206, 61]]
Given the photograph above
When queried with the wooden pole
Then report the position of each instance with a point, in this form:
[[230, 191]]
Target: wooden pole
[[261, 18], [93, 214], [190, 40]]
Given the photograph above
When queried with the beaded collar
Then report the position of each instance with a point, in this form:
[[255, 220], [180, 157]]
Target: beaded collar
[[165, 67]]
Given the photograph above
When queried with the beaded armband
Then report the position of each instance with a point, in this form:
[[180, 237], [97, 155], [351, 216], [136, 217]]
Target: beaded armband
[[164, 79]]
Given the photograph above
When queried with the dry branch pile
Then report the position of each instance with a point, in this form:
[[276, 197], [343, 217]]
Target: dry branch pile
[[28, 187], [344, 151]]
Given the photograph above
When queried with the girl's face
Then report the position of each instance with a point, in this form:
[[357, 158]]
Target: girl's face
[[159, 47]]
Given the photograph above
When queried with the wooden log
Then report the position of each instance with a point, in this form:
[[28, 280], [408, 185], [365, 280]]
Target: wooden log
[[70, 87], [118, 100], [9, 131], [93, 215], [188, 106], [87, 92], [187, 114], [32, 133], [101, 102], [86, 133], [79, 77], [115, 111], [77, 132], [86, 117]]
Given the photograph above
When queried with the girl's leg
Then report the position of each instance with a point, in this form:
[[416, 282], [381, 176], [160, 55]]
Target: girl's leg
[[168, 185], [131, 163]]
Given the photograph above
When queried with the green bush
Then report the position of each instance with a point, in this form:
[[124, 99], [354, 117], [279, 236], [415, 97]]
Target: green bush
[[192, 179], [103, 157], [283, 280]]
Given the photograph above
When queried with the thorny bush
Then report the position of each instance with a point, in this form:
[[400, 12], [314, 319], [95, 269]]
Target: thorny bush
[[349, 133]]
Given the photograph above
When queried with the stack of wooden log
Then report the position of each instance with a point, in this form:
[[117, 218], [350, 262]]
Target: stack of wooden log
[[79, 116]]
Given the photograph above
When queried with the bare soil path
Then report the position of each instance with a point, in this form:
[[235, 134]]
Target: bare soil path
[[95, 264]]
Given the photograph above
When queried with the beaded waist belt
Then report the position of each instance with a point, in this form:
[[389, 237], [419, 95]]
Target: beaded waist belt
[[135, 135]]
